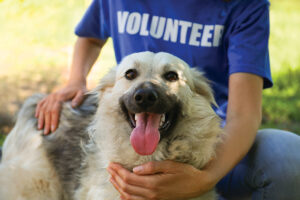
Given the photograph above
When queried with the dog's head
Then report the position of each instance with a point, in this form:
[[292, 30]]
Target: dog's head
[[152, 91]]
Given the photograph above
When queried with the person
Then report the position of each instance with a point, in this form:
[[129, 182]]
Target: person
[[228, 40]]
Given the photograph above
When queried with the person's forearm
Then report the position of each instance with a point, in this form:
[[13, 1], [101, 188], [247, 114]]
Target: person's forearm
[[86, 52], [242, 122], [239, 136]]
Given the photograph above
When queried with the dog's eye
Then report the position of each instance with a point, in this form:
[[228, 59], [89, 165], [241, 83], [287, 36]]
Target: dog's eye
[[171, 76], [131, 74]]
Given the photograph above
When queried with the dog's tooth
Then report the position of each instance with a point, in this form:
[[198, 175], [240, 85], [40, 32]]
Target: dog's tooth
[[163, 118], [160, 123], [135, 117]]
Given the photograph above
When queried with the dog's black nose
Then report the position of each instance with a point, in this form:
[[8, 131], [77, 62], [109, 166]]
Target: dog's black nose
[[145, 97]]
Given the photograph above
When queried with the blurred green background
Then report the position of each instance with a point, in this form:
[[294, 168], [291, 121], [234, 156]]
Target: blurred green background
[[36, 41]]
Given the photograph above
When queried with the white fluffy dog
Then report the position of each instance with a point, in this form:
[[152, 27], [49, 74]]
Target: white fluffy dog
[[152, 107]]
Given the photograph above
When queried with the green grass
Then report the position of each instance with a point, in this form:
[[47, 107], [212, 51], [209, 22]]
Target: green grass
[[281, 104], [2, 137], [284, 38], [36, 41]]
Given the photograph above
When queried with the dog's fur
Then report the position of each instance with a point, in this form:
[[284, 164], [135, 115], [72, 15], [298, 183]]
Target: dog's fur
[[71, 162]]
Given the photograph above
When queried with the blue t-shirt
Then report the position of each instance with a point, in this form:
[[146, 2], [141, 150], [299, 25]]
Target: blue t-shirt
[[218, 37]]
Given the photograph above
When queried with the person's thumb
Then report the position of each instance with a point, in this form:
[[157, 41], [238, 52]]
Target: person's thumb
[[77, 100], [155, 167]]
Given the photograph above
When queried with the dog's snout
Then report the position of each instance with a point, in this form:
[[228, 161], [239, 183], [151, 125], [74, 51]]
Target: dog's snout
[[145, 97]]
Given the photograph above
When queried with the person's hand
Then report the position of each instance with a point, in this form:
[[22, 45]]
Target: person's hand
[[48, 109], [160, 180]]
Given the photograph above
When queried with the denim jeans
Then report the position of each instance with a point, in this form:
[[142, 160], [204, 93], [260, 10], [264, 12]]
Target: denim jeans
[[270, 171]]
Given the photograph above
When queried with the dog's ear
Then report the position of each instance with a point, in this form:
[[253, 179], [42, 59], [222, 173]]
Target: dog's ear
[[108, 81], [201, 85]]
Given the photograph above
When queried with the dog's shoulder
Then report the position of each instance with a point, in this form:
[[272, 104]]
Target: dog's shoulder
[[65, 146]]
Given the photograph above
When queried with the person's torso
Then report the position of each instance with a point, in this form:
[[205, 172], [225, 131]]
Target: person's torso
[[193, 30]]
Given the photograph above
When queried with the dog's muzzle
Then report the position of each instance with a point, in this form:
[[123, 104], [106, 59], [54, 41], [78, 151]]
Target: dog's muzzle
[[151, 112]]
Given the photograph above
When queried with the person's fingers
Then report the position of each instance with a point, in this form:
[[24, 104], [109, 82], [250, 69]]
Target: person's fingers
[[125, 195], [38, 108], [48, 109], [131, 189], [77, 100], [131, 178], [41, 119], [47, 120], [115, 184], [155, 167], [55, 111]]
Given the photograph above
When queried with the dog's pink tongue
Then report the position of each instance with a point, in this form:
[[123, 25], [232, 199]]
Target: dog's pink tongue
[[145, 137]]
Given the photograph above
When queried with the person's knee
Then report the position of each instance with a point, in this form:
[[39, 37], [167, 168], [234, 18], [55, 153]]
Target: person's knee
[[276, 161], [277, 150]]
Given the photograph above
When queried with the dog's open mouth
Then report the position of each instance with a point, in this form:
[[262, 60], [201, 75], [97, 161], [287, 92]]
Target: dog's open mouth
[[148, 128]]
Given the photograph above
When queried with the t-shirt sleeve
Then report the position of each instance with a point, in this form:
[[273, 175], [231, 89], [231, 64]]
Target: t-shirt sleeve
[[248, 43], [94, 24]]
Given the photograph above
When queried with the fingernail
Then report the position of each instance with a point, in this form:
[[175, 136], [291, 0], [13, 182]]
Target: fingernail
[[74, 103], [111, 180], [39, 126], [109, 170], [112, 165], [52, 128], [45, 132], [138, 169]]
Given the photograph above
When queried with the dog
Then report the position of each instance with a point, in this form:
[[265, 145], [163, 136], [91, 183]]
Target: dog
[[151, 107]]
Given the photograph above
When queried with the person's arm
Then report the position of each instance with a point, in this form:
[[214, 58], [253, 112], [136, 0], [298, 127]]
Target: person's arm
[[182, 181], [86, 52], [242, 122]]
